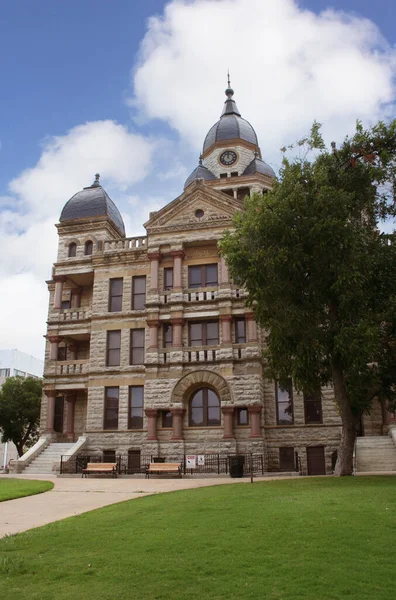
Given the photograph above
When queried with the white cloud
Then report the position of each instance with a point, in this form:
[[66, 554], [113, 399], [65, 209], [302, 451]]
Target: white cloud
[[69, 163], [23, 305], [28, 235], [288, 66]]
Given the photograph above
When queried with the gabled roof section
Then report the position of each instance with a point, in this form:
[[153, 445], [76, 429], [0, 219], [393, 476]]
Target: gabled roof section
[[185, 212]]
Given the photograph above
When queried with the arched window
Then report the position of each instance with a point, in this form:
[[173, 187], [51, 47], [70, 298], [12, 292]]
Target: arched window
[[72, 250], [204, 408], [88, 248]]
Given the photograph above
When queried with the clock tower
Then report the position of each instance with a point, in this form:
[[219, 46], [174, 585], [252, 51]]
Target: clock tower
[[231, 154]]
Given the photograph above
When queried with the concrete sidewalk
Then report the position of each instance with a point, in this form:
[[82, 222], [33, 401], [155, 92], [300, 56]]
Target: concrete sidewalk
[[73, 496]]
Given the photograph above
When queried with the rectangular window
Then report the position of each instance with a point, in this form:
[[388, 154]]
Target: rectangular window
[[19, 373], [242, 416], [234, 173], [113, 348], [168, 278], [204, 334], [286, 459], [111, 408], [313, 406], [166, 418], [137, 347], [4, 372], [223, 175], [168, 336], [284, 403], [115, 294], [240, 331], [138, 292], [136, 403], [202, 276], [109, 456], [65, 304]]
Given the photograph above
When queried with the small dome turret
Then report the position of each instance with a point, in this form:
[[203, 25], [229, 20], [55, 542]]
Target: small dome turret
[[259, 166], [200, 172], [230, 125], [93, 201]]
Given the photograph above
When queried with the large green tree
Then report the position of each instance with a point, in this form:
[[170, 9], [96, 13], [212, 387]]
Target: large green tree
[[320, 274], [20, 411]]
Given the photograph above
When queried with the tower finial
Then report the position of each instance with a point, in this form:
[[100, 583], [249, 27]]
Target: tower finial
[[96, 182], [229, 91], [200, 160]]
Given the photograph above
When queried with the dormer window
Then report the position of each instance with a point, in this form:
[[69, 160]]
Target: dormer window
[[72, 250], [88, 248]]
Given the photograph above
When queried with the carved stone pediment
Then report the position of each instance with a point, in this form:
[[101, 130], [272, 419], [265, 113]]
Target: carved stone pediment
[[199, 207]]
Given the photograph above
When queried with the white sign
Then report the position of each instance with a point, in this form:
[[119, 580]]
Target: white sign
[[200, 460], [191, 461]]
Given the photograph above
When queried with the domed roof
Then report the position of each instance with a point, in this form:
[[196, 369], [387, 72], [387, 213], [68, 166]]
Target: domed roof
[[259, 166], [92, 201], [230, 126], [199, 172]]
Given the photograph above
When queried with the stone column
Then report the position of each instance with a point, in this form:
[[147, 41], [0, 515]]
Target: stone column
[[70, 403], [177, 423], [178, 256], [54, 343], [251, 328], [75, 298], [254, 418], [224, 275], [228, 413], [51, 395], [225, 321], [154, 270], [235, 192], [153, 326], [151, 414], [177, 332], [59, 281]]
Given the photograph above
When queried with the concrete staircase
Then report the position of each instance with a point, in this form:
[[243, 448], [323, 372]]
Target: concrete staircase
[[375, 453], [43, 463]]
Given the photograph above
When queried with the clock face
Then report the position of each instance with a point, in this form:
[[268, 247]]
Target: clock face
[[228, 158]]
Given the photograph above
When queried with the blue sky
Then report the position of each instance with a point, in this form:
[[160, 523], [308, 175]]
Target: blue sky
[[102, 85]]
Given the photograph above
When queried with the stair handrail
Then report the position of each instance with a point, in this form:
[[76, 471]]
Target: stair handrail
[[392, 432], [24, 460], [355, 465], [80, 443]]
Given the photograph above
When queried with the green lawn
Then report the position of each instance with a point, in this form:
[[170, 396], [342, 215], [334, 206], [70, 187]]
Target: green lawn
[[11, 488], [316, 539]]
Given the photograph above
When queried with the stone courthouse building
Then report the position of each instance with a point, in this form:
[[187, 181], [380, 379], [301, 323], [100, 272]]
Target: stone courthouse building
[[150, 347]]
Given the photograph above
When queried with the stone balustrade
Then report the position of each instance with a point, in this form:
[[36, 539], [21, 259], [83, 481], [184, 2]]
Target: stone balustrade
[[135, 243], [72, 367], [69, 315], [188, 355], [201, 295]]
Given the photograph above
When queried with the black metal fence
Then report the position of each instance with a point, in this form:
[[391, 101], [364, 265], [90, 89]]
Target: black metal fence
[[199, 464]]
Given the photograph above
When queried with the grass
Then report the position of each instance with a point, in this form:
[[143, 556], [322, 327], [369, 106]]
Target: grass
[[11, 488], [311, 539]]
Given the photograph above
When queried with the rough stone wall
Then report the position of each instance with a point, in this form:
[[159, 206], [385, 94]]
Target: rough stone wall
[[245, 157]]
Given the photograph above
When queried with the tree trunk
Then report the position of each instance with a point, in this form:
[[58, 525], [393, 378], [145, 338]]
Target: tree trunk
[[384, 414], [19, 447], [344, 465]]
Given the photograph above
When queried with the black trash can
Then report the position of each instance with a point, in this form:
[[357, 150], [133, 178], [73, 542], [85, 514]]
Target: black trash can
[[236, 463]]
